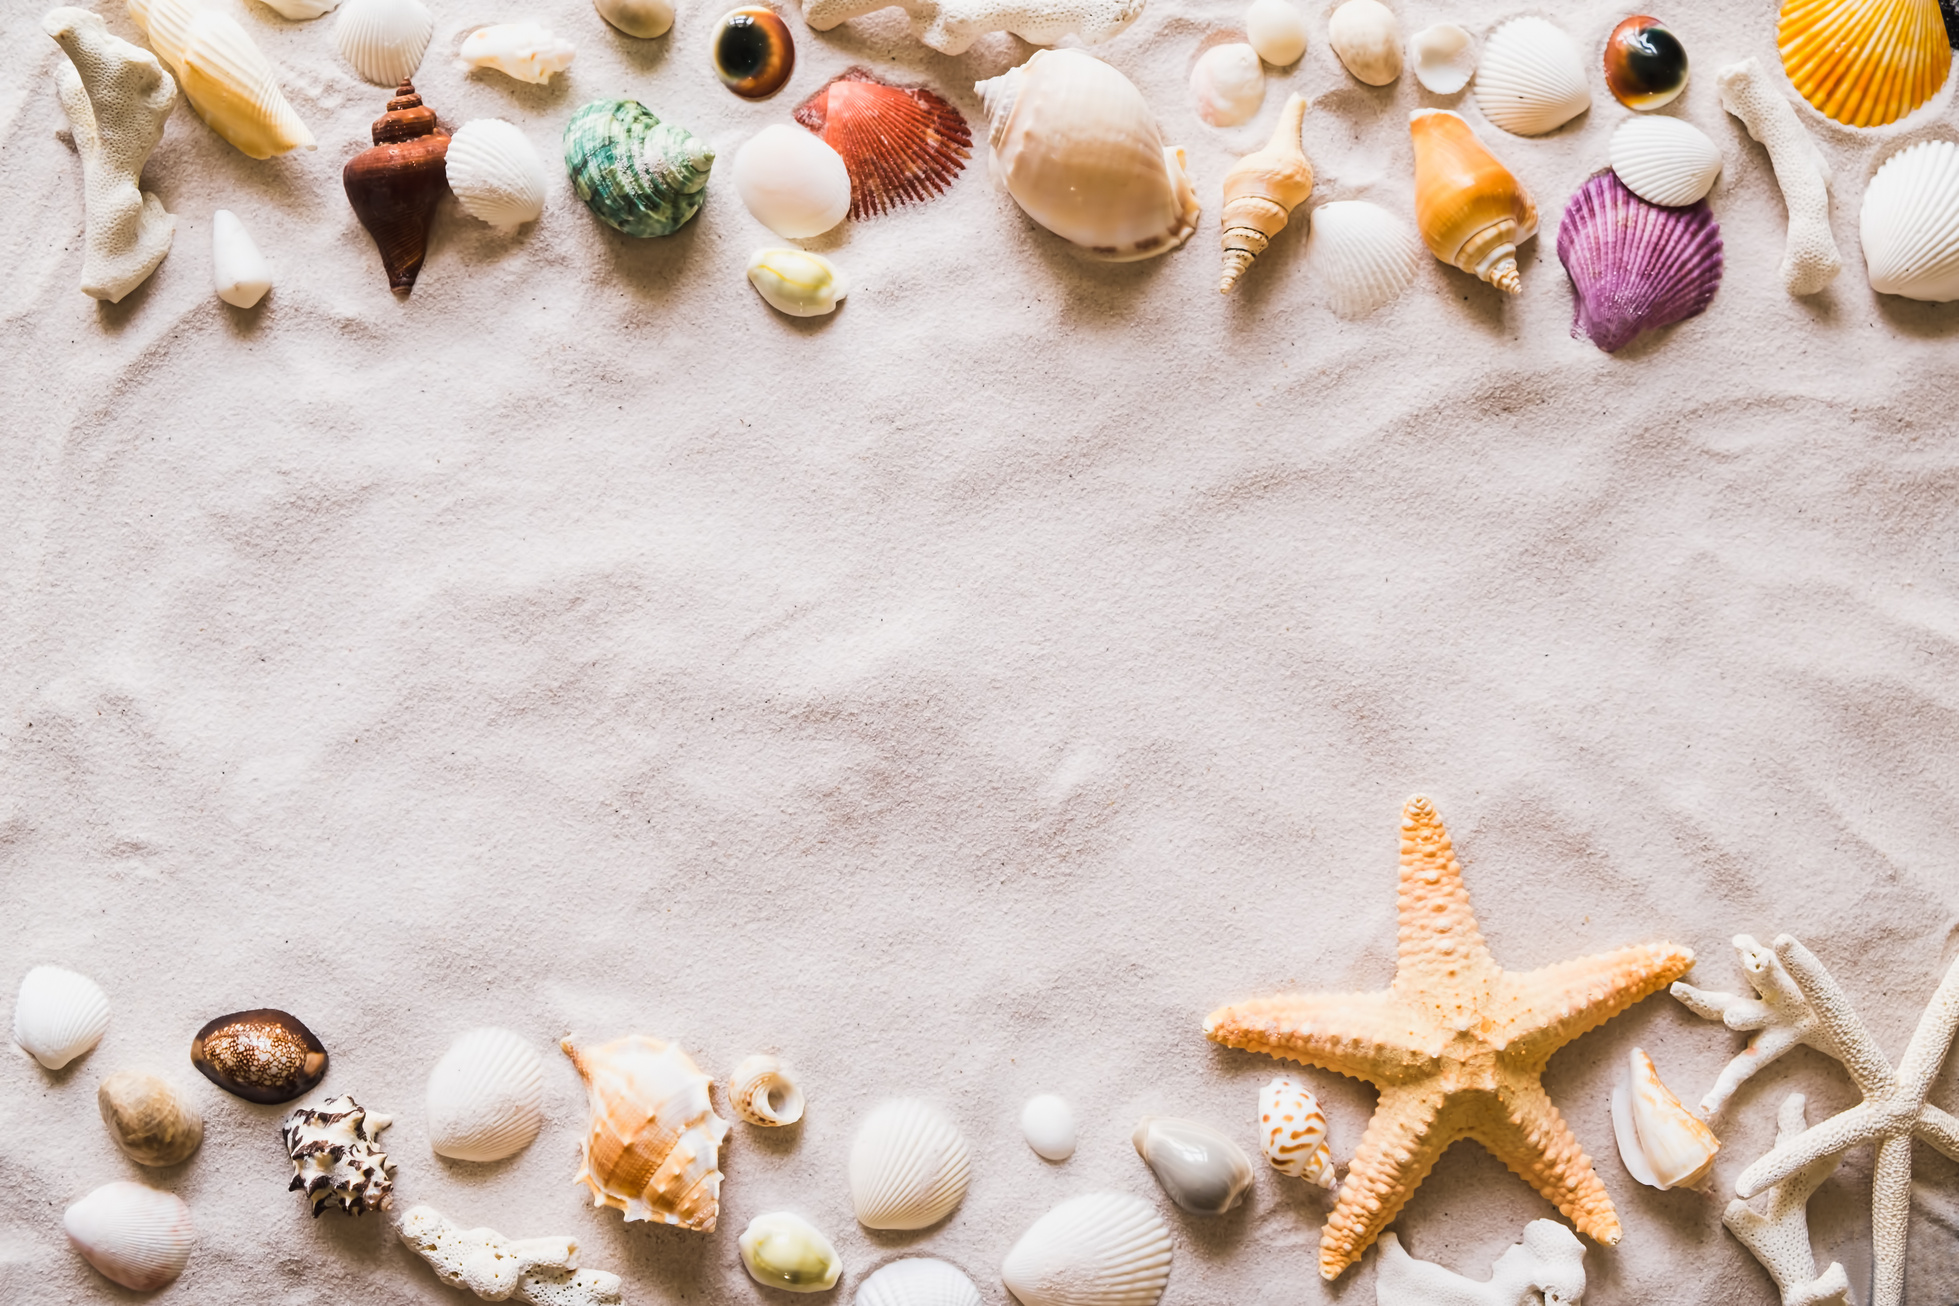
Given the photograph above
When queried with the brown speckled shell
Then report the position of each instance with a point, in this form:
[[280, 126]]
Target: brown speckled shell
[[261, 1055]]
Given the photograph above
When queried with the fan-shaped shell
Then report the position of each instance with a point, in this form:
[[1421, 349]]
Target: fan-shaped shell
[[58, 1015], [792, 182], [1635, 266], [137, 1236], [486, 1095], [1663, 1144], [909, 1166], [918, 1281], [640, 175], [1444, 57], [384, 40], [496, 174], [762, 1090], [1227, 85], [1364, 255], [1864, 62], [1101, 1249], [1531, 79], [224, 74], [900, 144], [1076, 146], [652, 1147], [1664, 160], [1910, 223]]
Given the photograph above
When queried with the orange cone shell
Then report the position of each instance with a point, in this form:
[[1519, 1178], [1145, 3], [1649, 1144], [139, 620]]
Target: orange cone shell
[[1472, 211], [652, 1147], [900, 144], [1864, 63]]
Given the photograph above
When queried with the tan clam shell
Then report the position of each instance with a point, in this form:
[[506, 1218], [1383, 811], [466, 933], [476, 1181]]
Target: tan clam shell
[[148, 1118], [652, 1146]]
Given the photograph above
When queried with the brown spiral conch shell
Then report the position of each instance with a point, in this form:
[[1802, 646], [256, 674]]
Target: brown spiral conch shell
[[395, 185], [652, 1148]]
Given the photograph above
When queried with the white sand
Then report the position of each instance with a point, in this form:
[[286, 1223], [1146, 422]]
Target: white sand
[[961, 695]]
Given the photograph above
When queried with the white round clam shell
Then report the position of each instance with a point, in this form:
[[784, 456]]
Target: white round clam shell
[[909, 1166], [1444, 57], [1227, 84], [485, 1096], [1531, 79], [384, 40], [1665, 160], [792, 181], [1367, 37], [1277, 30], [1101, 1249], [1364, 255], [1909, 223], [133, 1234], [1048, 1124], [496, 173], [918, 1281], [58, 1015], [644, 19]]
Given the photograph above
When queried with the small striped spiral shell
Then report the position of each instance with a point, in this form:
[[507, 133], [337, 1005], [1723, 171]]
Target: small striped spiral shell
[[1294, 1132]]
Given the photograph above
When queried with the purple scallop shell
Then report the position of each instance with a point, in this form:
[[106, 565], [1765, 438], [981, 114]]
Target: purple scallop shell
[[1635, 265]]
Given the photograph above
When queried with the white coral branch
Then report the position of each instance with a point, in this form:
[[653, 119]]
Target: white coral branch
[[1810, 260], [1780, 1013], [951, 26], [541, 1271], [1777, 1231]]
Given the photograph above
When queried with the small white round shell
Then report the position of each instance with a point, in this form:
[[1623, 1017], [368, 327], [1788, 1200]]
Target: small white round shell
[[785, 1251], [1364, 255], [1048, 1124], [1227, 85], [1531, 79], [1101, 1249], [801, 284], [1277, 30], [59, 1015], [1665, 160], [1909, 223], [792, 181], [1366, 36], [137, 1236], [496, 173], [1444, 57], [644, 19], [762, 1090], [909, 1166], [384, 40], [527, 51], [918, 1281], [485, 1097]]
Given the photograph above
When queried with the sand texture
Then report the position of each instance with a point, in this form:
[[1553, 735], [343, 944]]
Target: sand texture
[[961, 695]]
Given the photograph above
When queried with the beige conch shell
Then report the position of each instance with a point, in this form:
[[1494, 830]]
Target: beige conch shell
[[1261, 191], [225, 76], [1472, 211], [653, 1145]]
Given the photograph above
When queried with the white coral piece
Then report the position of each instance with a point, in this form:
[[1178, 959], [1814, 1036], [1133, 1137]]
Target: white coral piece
[[1778, 1231], [335, 1156], [1547, 1267], [951, 26], [1781, 1015], [542, 1271], [117, 97], [1810, 260]]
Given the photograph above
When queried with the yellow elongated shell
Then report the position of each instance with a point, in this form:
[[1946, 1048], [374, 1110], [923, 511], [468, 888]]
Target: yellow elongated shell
[[1471, 210], [1864, 62], [1663, 1144], [224, 75], [1261, 191], [652, 1147]]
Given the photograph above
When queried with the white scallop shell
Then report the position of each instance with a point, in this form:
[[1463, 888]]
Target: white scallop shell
[[1227, 85], [1665, 160], [801, 284], [526, 51], [1444, 57], [486, 1097], [135, 1235], [918, 1281], [792, 181], [1048, 1124], [1531, 79], [299, 11], [1910, 223], [1364, 255], [1367, 37], [59, 1015], [761, 1088], [1277, 30], [383, 39], [496, 173], [1102, 1249], [909, 1166]]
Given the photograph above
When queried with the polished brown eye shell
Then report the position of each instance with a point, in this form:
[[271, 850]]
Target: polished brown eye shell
[[262, 1055], [1645, 64], [753, 52]]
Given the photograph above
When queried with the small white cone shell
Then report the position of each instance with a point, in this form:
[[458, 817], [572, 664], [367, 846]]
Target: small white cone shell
[[1909, 224], [1665, 160], [239, 272], [1227, 85], [1662, 1144], [59, 1015], [1531, 78], [496, 173], [384, 40], [135, 1235], [1102, 1249], [909, 1166], [792, 182], [1277, 30], [1364, 255], [1444, 57], [486, 1096], [1048, 1124], [919, 1281]]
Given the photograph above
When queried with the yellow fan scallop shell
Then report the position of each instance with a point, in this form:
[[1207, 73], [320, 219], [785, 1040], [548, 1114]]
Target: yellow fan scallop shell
[[1864, 63]]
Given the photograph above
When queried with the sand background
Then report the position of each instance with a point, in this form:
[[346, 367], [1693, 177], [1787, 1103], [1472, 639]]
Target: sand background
[[960, 695]]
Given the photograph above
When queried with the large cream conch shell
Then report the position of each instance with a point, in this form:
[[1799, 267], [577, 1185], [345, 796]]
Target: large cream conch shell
[[1472, 211], [1076, 146], [1261, 191], [653, 1147]]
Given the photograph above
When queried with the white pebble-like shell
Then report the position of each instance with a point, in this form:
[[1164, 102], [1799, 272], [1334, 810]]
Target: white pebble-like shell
[[644, 19], [1531, 79], [1102, 1249], [383, 39], [801, 284], [1366, 36], [792, 182], [486, 1097], [1227, 85], [1048, 1124], [299, 11], [918, 1281], [1910, 223], [1364, 255], [909, 1166], [1277, 30], [1665, 160], [239, 272], [496, 173], [1444, 57], [135, 1235], [59, 1015], [525, 51], [762, 1090]]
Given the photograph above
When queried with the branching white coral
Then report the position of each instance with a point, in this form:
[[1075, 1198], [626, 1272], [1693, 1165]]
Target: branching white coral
[[542, 1271], [951, 26], [1777, 1231], [1810, 260], [1548, 1267], [1780, 1013]]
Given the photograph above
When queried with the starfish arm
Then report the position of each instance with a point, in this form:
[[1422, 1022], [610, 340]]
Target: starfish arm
[[1939, 1129], [1368, 1036], [1533, 1140], [1857, 1125], [1396, 1153], [1438, 945], [1932, 1040], [1842, 1032], [1890, 1211], [1537, 1012]]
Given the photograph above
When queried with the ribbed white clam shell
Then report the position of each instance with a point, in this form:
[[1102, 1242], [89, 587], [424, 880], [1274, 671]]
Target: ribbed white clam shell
[[919, 1281], [137, 1236], [383, 39], [496, 172], [1103, 1249], [908, 1166], [1910, 223], [59, 1015], [486, 1096], [1364, 255], [1444, 57], [1664, 160], [1531, 79]]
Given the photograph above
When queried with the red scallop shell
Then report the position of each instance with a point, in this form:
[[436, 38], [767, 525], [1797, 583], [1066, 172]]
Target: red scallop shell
[[901, 144]]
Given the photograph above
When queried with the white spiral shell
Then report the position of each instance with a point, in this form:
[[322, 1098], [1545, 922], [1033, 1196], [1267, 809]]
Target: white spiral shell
[[1910, 223], [1294, 1130], [496, 173], [59, 1015], [762, 1089], [1531, 79], [909, 1166], [1101, 1249], [383, 39], [1665, 160], [485, 1097], [918, 1281], [1364, 255], [135, 1235]]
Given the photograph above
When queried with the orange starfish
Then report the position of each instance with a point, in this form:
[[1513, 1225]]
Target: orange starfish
[[1456, 1046]]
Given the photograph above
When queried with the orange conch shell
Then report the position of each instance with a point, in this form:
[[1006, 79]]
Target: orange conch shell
[[654, 1141], [1472, 211], [1864, 62]]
